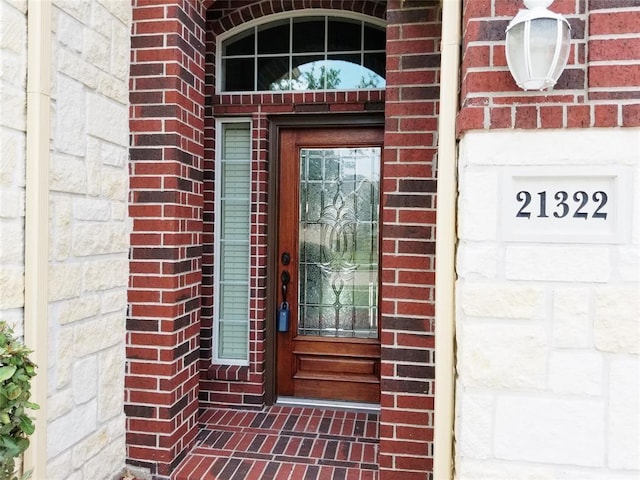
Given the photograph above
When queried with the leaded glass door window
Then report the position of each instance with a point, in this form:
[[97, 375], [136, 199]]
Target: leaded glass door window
[[338, 253]]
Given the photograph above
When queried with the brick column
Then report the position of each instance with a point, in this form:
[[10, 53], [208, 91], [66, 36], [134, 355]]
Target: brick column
[[408, 239], [167, 101]]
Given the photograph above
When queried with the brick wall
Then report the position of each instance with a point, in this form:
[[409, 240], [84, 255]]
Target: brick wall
[[408, 239], [159, 322], [245, 385], [167, 111], [599, 88]]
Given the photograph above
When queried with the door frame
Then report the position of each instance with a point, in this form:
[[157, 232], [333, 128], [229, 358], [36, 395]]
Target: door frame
[[277, 123]]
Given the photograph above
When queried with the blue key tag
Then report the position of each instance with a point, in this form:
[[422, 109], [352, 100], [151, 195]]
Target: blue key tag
[[283, 317]]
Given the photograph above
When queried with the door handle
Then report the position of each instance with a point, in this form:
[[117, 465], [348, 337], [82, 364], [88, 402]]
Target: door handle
[[284, 313], [285, 278]]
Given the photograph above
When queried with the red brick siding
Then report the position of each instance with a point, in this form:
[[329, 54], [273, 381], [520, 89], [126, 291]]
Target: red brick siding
[[408, 239], [167, 98], [172, 173], [599, 87]]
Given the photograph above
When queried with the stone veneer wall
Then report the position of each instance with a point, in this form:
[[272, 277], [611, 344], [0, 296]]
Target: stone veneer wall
[[88, 224], [548, 333], [89, 239], [13, 92]]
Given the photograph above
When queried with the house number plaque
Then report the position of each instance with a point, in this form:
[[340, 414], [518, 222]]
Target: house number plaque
[[567, 204]]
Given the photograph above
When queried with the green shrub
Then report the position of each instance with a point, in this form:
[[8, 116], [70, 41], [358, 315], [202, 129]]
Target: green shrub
[[16, 372]]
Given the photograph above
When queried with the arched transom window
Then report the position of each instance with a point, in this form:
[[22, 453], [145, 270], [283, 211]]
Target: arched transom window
[[320, 52]]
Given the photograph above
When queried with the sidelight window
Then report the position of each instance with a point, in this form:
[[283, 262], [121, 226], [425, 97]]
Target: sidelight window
[[231, 250], [319, 52]]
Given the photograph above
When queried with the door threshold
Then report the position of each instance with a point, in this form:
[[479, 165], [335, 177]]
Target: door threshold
[[335, 404]]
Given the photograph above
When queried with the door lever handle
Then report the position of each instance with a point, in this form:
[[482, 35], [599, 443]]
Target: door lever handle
[[285, 278]]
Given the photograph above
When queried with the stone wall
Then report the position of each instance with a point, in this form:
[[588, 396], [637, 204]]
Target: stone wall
[[548, 329], [88, 224], [13, 92]]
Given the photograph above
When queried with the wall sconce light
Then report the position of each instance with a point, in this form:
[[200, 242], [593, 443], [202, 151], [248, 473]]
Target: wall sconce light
[[537, 47]]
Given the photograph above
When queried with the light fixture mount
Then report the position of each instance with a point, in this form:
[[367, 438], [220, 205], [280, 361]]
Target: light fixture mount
[[537, 45]]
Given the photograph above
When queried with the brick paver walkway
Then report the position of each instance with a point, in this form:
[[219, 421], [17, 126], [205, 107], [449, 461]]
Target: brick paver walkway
[[283, 443]]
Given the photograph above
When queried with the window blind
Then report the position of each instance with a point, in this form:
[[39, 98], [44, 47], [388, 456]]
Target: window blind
[[233, 209]]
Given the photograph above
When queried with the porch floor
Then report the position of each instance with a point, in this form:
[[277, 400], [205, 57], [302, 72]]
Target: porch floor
[[283, 443]]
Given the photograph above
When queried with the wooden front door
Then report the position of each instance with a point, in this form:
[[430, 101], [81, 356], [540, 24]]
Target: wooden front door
[[328, 248]]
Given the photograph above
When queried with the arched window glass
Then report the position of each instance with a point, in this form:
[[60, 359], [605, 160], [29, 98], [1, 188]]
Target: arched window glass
[[305, 53]]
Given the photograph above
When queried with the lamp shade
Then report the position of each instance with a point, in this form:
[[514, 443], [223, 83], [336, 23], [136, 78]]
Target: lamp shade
[[537, 48]]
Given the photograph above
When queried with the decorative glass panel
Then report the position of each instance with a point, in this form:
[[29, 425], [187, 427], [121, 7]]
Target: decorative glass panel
[[339, 206]]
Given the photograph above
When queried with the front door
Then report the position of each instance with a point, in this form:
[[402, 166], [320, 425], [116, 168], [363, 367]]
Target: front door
[[328, 248]]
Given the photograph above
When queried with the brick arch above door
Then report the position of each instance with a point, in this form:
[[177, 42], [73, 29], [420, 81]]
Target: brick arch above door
[[226, 14]]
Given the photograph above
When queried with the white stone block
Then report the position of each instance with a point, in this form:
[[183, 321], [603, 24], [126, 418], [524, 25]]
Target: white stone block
[[550, 430], [59, 404], [12, 153], [79, 9], [11, 287], [90, 447], [69, 32], [121, 9], [69, 116], [478, 204], [70, 429], [76, 309], [99, 238], [59, 468], [99, 334], [90, 208], [491, 469], [110, 87], [108, 464], [102, 20], [502, 356], [13, 35], [60, 239], [120, 50], [624, 413], [477, 260], [581, 146], [107, 119], [68, 174], [571, 320], [617, 319], [13, 106], [119, 211], [110, 400], [65, 281], [97, 49], [114, 301], [474, 424], [558, 263], [471, 469], [628, 263], [115, 183], [12, 203], [576, 372], [11, 242], [105, 274], [75, 67], [501, 300], [63, 357], [85, 379]]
